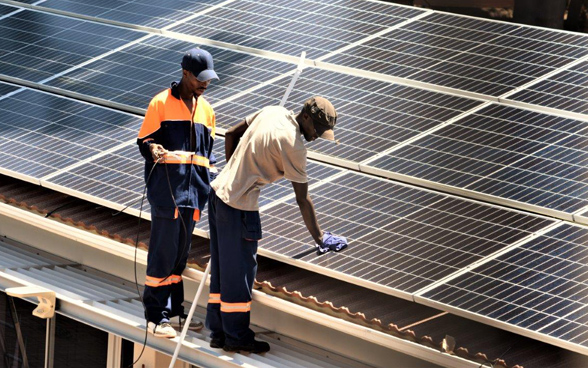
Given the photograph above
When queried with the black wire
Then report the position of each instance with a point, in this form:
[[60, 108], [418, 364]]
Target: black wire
[[496, 360], [135, 266], [188, 238], [60, 207]]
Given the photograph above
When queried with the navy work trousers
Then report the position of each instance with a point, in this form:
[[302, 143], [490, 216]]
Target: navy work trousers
[[233, 250], [168, 254]]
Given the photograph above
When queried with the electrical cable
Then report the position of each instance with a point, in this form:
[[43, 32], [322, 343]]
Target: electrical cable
[[185, 243], [496, 360], [135, 264]]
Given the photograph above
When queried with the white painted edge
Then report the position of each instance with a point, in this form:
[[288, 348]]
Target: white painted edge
[[86, 313]]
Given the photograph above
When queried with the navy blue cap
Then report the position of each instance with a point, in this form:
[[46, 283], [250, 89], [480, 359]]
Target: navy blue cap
[[199, 62]]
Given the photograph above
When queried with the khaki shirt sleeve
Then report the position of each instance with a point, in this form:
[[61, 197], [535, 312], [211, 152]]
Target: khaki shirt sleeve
[[294, 161]]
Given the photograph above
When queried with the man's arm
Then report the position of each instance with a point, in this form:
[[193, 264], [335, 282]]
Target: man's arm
[[307, 210], [232, 138]]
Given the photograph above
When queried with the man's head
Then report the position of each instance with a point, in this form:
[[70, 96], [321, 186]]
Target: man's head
[[197, 70], [320, 117]]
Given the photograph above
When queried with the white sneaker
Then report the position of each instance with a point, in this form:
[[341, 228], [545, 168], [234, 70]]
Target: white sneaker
[[164, 329]]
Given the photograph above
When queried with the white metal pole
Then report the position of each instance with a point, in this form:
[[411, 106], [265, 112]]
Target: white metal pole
[[294, 78], [190, 314]]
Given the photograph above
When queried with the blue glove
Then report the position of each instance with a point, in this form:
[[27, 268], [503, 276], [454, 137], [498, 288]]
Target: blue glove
[[332, 242]]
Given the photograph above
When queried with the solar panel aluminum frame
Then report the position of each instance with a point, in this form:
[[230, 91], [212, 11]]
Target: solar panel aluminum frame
[[467, 193], [581, 216], [404, 81], [505, 100], [493, 322]]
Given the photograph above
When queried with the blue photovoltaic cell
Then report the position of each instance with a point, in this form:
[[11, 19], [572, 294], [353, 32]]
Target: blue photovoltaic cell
[[41, 133], [470, 54], [372, 115], [567, 90], [399, 237], [290, 27], [151, 13], [5, 9], [6, 88], [35, 46], [133, 75], [118, 178], [540, 286], [507, 152]]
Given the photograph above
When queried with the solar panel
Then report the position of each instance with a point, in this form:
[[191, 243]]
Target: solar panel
[[525, 157], [6, 89], [567, 90], [290, 27], [5, 9], [372, 115], [480, 56], [537, 289], [41, 133], [116, 179], [402, 238], [151, 13], [133, 75], [35, 45]]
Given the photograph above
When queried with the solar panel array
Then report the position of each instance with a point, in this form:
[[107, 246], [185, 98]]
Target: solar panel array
[[540, 286], [423, 96], [35, 46], [484, 57], [134, 74], [512, 154], [402, 238], [41, 133], [149, 13], [567, 90], [373, 116]]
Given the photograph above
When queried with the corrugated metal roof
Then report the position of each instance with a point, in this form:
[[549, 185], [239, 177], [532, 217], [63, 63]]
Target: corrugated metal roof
[[397, 317]]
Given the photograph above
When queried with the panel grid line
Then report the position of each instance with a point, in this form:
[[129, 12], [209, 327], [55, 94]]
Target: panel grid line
[[489, 258]]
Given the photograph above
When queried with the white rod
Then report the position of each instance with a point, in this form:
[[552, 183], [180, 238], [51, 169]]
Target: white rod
[[294, 78], [190, 315]]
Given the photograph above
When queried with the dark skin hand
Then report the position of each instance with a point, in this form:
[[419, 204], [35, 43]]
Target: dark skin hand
[[232, 138]]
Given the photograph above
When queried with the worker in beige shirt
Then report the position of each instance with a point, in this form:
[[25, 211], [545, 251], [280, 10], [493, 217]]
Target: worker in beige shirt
[[266, 146]]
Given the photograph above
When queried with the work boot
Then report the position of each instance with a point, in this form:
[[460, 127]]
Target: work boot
[[256, 347], [194, 325], [163, 329], [217, 342]]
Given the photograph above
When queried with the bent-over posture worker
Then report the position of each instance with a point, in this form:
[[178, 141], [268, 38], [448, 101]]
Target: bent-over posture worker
[[261, 149], [177, 137]]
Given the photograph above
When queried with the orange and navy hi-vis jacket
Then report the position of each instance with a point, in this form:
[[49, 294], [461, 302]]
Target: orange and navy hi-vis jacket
[[169, 122]]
